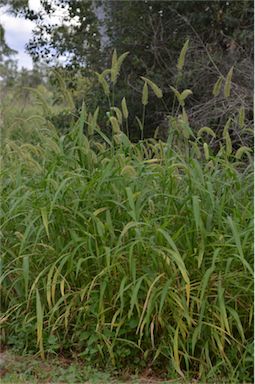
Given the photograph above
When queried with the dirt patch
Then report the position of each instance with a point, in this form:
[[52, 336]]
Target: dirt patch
[[15, 369]]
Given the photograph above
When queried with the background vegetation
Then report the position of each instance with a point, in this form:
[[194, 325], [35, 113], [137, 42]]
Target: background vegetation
[[127, 181]]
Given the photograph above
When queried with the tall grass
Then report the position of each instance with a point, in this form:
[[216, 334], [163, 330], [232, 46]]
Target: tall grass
[[129, 254], [113, 255]]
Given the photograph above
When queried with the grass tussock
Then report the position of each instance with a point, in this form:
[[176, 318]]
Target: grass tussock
[[130, 254], [122, 254]]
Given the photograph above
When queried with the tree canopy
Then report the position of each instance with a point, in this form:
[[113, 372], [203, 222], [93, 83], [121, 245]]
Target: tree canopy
[[81, 35], [88, 28]]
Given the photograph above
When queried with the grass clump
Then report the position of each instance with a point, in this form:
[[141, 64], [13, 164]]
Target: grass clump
[[123, 258], [129, 254]]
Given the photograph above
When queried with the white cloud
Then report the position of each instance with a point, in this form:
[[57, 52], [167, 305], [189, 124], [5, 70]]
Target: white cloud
[[18, 31], [35, 5], [25, 60]]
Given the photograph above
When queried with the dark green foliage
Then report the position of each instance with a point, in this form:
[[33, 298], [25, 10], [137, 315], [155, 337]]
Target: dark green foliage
[[220, 33]]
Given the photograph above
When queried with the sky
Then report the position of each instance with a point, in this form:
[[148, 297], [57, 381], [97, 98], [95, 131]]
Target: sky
[[18, 31]]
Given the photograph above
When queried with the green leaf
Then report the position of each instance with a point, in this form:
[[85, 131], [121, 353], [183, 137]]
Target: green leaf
[[176, 352], [146, 303], [131, 202], [82, 119], [100, 227], [222, 306], [125, 140], [163, 295], [205, 282], [26, 272], [45, 220], [196, 211], [134, 296], [104, 137], [236, 317], [176, 255], [236, 236], [39, 317]]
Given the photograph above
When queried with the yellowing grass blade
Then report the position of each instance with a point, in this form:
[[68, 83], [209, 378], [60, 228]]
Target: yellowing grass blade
[[176, 352], [176, 255], [147, 300], [187, 293], [45, 220], [39, 316]]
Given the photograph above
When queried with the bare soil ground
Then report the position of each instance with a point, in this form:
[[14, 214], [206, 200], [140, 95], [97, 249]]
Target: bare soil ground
[[15, 369]]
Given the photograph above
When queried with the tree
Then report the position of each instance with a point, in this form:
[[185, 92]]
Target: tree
[[74, 36], [220, 35], [8, 65], [143, 26]]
